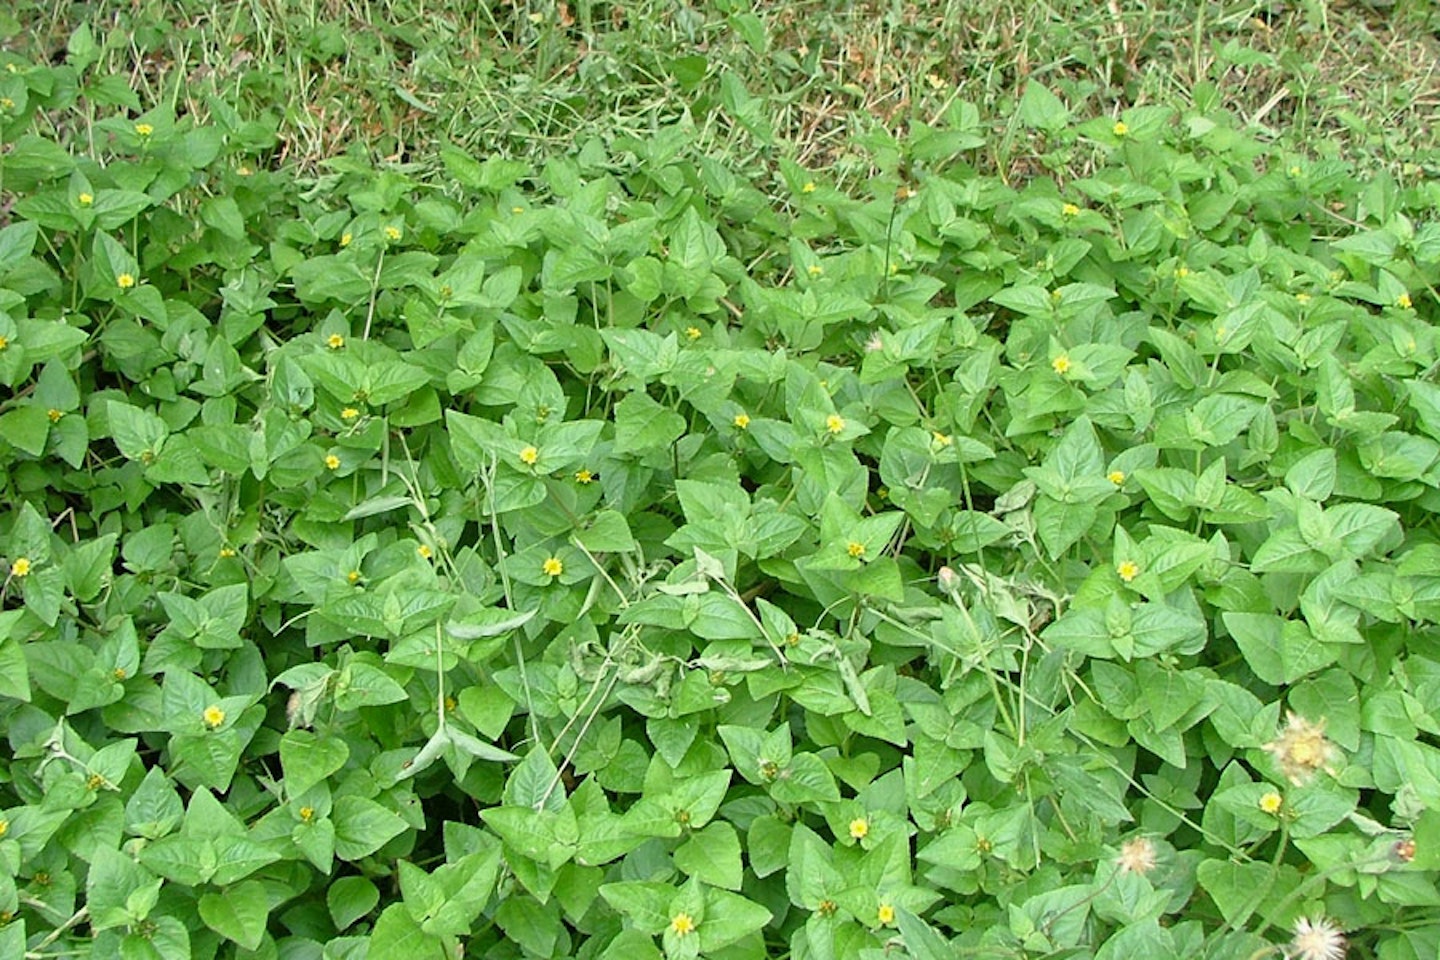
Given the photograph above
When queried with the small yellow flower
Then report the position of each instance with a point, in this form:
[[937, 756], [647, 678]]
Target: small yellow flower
[[54, 415], [1116, 477], [1271, 802], [450, 704], [392, 233], [125, 281], [859, 828], [742, 420], [307, 814], [834, 423], [6, 103], [21, 567], [353, 577], [94, 782], [213, 716], [243, 170], [693, 333], [345, 238], [682, 924], [552, 567], [809, 187], [1294, 171], [517, 209], [1128, 570], [144, 129], [815, 270], [885, 915], [1070, 210], [1403, 301], [1061, 364], [424, 551], [1221, 333], [4, 827], [332, 462], [4, 342], [941, 439], [855, 548], [349, 413], [335, 341], [529, 455], [85, 199], [226, 553], [584, 476], [1181, 272], [119, 674], [1120, 129]]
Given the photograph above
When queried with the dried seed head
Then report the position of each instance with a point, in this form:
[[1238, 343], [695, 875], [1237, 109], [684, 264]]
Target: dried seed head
[[1302, 749]]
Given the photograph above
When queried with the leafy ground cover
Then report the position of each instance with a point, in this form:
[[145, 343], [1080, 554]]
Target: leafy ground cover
[[990, 520]]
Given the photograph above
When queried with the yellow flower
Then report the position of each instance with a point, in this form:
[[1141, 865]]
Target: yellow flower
[[742, 420], [1136, 856], [1301, 749], [335, 341], [21, 567], [1061, 364], [943, 439], [125, 281], [1302, 298], [1128, 570], [307, 814], [213, 716], [332, 462], [809, 187], [834, 423], [855, 548], [6, 103], [529, 455], [859, 828], [118, 673], [552, 567], [815, 270], [226, 553], [517, 209], [4, 827], [1403, 301], [1181, 272], [4, 342], [94, 782], [345, 238], [682, 924], [424, 551], [1116, 477], [349, 413], [243, 170], [885, 915], [85, 199], [353, 577], [144, 129], [693, 333], [584, 476], [1271, 802], [1294, 171], [1120, 129], [54, 415], [1070, 210], [392, 233]]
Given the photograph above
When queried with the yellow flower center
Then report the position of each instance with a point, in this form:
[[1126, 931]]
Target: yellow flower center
[[21, 567], [682, 924], [517, 210], [94, 782], [1302, 298], [584, 476], [332, 462], [886, 914], [1120, 129], [693, 333], [85, 199], [1128, 570], [855, 548], [552, 567], [335, 341], [227, 552], [1116, 477], [1070, 210], [424, 551], [4, 342], [345, 238], [213, 716], [943, 439], [529, 455], [809, 187], [1271, 803], [392, 233], [742, 420], [4, 827], [859, 828], [118, 673], [1403, 301], [1181, 272], [307, 814], [349, 413], [125, 281], [54, 415], [144, 129], [352, 577], [834, 423], [1061, 364], [815, 270]]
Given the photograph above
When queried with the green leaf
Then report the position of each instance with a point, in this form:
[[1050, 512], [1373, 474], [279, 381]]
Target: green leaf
[[306, 759], [239, 914]]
